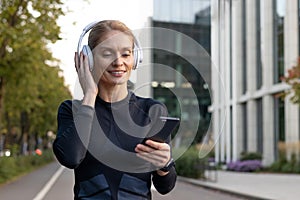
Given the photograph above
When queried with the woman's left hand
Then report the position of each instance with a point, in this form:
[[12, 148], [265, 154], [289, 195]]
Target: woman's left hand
[[157, 153]]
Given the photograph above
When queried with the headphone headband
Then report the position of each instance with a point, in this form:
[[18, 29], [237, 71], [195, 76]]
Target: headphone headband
[[84, 31], [137, 51]]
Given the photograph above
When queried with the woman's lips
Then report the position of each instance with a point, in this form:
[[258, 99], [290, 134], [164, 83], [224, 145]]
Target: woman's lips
[[117, 73]]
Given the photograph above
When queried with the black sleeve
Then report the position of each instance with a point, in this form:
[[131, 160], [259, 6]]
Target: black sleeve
[[73, 133], [164, 184]]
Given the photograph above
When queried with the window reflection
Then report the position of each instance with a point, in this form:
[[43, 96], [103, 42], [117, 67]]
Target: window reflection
[[279, 38]]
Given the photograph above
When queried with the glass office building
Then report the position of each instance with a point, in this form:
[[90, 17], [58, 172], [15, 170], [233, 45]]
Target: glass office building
[[254, 43], [184, 21]]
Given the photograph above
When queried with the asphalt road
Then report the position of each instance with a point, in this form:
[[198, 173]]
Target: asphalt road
[[54, 182]]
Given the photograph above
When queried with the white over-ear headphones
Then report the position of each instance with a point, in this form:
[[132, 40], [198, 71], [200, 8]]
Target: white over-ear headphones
[[86, 50]]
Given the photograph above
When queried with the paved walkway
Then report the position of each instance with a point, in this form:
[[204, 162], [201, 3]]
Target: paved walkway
[[254, 185]]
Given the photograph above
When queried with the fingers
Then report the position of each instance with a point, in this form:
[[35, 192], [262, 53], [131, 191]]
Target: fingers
[[152, 146], [158, 160], [81, 62], [155, 161], [85, 63], [85, 76], [155, 152], [157, 145], [76, 61]]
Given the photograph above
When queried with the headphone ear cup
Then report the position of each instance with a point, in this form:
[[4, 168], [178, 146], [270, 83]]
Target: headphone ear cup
[[138, 55], [86, 50], [135, 56]]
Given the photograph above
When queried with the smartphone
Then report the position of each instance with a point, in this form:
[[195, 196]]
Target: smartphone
[[169, 125]]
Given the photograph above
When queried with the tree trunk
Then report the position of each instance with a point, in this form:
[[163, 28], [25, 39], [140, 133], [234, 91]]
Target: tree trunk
[[2, 83], [23, 141]]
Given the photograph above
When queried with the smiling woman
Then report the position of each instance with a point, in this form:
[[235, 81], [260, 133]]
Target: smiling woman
[[101, 136]]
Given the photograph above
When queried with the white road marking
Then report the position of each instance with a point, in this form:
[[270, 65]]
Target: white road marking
[[49, 184]]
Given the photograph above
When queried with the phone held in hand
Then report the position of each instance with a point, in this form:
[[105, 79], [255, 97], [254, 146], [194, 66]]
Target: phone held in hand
[[169, 125]]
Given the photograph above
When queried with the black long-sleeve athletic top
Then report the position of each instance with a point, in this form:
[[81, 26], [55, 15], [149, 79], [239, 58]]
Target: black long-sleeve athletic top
[[98, 143]]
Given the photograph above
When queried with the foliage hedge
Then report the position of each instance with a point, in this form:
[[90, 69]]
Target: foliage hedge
[[284, 165], [190, 165], [250, 156], [11, 167]]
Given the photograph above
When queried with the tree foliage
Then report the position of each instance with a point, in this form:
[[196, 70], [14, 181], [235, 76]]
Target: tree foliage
[[293, 79], [30, 83]]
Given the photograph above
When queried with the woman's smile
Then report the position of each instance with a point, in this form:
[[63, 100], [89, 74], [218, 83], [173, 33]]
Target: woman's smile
[[117, 73]]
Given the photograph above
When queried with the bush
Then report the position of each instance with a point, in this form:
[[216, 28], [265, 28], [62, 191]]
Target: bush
[[249, 162], [245, 166], [189, 164], [7, 165], [250, 156], [11, 167], [284, 165]]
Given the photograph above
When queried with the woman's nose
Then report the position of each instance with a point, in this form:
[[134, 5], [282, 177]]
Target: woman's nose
[[118, 61]]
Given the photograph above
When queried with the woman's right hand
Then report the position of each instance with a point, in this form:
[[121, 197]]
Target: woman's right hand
[[86, 80]]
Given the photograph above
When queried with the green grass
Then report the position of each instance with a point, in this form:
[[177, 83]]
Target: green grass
[[13, 167]]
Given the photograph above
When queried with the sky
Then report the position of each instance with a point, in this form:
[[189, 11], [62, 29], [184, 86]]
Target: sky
[[134, 13]]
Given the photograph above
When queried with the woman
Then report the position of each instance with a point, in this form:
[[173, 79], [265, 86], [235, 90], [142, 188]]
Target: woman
[[101, 136]]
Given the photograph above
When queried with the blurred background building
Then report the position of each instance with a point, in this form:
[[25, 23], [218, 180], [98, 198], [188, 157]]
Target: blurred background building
[[186, 19], [253, 44]]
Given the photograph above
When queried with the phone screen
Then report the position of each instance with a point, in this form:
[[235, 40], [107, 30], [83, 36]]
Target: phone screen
[[170, 123]]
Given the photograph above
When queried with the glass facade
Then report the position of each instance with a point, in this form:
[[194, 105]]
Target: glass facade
[[180, 11], [244, 48], [279, 15], [259, 117], [230, 48], [281, 122], [259, 80], [279, 119], [262, 52], [244, 127], [279, 125], [192, 78]]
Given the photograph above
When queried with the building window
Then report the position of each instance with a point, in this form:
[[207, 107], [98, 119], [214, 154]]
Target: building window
[[231, 133], [244, 126], [279, 124], [258, 43], [230, 48], [279, 14], [281, 121], [259, 117], [244, 48]]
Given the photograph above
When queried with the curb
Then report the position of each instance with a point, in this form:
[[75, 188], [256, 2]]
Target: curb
[[216, 188]]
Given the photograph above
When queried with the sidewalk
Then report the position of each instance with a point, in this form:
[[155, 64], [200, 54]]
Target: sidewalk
[[254, 185]]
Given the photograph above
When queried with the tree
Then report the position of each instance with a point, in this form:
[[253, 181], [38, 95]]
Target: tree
[[293, 79], [30, 85]]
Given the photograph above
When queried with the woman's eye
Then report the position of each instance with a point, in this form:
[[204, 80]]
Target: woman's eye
[[106, 54], [126, 54]]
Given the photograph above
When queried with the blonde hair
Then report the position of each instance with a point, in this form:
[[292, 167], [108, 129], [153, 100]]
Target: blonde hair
[[105, 26]]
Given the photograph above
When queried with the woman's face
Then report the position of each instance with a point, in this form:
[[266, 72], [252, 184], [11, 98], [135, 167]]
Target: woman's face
[[113, 58]]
